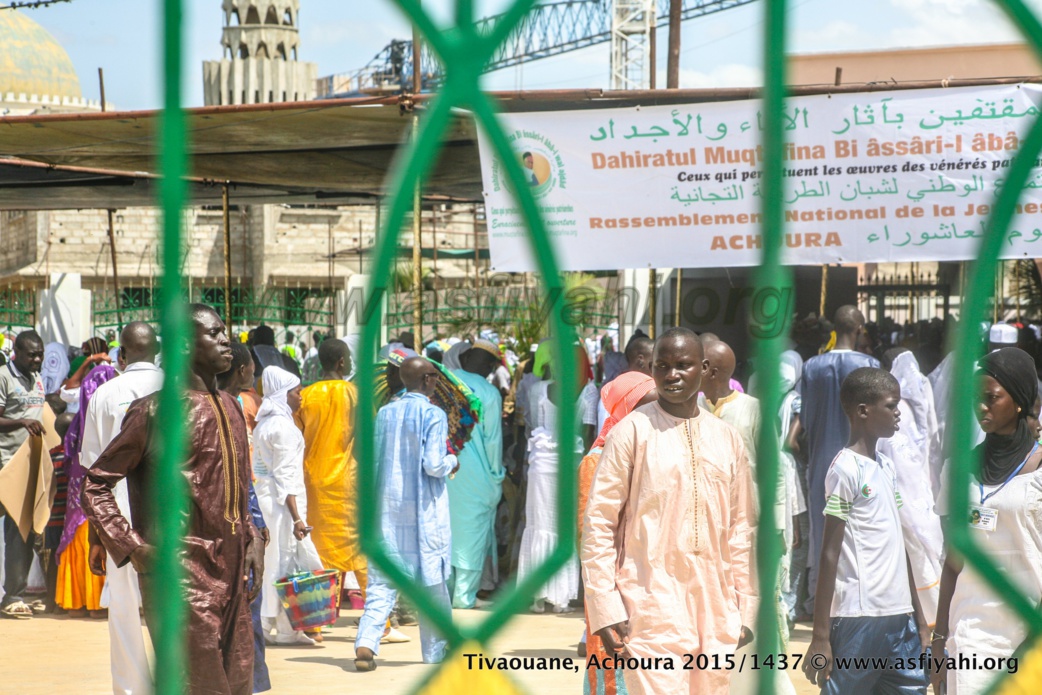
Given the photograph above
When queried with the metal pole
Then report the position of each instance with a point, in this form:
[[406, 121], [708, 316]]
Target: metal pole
[[417, 287], [1000, 285], [652, 301], [962, 286], [244, 226], [434, 277], [227, 217], [417, 212], [434, 244], [360, 237], [332, 289], [680, 285], [824, 288], [1016, 286], [911, 293], [101, 85], [115, 272], [477, 277], [672, 82], [475, 216], [652, 53], [417, 59], [673, 64], [376, 233]]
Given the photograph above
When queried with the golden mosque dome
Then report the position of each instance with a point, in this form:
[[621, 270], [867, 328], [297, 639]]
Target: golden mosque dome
[[32, 62]]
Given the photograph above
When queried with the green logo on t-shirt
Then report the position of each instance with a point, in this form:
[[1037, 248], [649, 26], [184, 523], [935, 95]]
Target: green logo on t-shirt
[[866, 491]]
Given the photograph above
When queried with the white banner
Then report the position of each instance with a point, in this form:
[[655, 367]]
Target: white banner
[[869, 177]]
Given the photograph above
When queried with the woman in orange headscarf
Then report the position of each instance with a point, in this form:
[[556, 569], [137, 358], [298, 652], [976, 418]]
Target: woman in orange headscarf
[[621, 396]]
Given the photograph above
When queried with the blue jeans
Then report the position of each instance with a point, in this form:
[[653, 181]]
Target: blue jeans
[[379, 602], [893, 637], [796, 592], [261, 680]]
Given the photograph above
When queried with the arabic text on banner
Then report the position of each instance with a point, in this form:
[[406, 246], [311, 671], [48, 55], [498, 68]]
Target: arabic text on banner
[[869, 177]]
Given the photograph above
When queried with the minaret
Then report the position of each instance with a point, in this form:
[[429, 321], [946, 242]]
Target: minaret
[[260, 40]]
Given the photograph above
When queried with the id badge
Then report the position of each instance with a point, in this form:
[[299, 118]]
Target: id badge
[[983, 518]]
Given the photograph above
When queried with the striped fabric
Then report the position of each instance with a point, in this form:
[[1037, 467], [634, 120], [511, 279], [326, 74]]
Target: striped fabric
[[61, 480], [838, 507]]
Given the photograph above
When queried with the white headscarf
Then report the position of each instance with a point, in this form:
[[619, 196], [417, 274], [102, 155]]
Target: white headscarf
[[277, 383], [915, 390], [55, 367], [451, 360], [353, 341]]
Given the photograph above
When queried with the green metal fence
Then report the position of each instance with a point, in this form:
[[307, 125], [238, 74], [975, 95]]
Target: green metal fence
[[464, 52], [518, 313], [17, 310], [974, 309], [297, 309]]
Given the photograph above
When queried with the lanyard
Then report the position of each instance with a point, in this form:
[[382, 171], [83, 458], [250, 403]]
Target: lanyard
[[1012, 475]]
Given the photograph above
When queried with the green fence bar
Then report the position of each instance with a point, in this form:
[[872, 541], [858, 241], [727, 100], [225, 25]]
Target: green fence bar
[[771, 278], [168, 486], [464, 53], [974, 308]]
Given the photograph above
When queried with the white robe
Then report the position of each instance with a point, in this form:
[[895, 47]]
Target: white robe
[[981, 623], [912, 449], [278, 464], [131, 674], [540, 535], [668, 545]]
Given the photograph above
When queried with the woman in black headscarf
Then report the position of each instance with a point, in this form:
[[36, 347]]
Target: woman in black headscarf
[[1010, 386], [1005, 499]]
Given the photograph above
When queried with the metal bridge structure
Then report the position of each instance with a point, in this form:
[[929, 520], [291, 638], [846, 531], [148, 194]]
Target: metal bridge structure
[[550, 29]]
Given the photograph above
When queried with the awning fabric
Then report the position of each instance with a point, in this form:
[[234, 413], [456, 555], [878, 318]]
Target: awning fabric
[[26, 185], [310, 152]]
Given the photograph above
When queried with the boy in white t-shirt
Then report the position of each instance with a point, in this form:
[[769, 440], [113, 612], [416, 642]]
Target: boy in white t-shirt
[[866, 604]]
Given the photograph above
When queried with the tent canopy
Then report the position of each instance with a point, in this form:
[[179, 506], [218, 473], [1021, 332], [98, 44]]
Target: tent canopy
[[27, 185], [317, 152]]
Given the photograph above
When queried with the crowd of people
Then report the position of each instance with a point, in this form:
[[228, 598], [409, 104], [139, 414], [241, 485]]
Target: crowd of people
[[467, 453]]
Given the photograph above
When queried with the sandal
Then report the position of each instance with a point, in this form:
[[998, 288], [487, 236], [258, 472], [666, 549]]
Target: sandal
[[37, 606], [365, 664], [17, 610]]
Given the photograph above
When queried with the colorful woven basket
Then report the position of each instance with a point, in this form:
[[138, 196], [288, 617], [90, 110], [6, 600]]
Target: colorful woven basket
[[311, 599]]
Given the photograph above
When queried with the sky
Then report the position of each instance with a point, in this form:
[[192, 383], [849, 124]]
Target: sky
[[341, 36]]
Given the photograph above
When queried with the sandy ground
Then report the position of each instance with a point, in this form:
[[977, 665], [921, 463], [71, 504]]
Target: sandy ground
[[50, 654]]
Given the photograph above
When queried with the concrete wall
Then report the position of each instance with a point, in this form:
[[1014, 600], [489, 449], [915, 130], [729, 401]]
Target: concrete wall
[[18, 240], [270, 244]]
